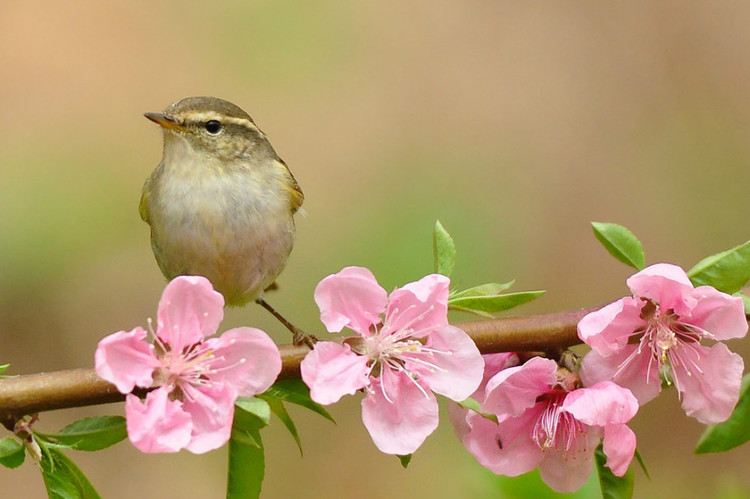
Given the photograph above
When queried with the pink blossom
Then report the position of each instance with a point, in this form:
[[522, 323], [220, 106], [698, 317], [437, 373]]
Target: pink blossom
[[658, 331], [398, 360], [544, 420], [197, 379]]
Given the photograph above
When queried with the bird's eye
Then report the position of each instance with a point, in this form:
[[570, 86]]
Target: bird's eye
[[213, 127]]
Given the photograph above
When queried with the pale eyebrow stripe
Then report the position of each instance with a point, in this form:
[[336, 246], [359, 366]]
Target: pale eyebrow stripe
[[211, 115]]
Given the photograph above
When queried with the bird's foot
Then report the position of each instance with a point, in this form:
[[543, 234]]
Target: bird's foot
[[299, 337]]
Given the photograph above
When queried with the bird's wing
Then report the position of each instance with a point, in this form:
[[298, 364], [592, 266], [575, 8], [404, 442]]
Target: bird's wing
[[295, 192], [143, 206]]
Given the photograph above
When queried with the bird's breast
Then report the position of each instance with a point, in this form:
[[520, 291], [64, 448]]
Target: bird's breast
[[227, 224]]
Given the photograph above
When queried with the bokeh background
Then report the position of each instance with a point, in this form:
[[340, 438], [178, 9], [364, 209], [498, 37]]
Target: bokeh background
[[514, 123]]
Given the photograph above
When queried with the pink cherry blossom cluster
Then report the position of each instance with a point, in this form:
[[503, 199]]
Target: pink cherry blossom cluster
[[404, 351], [541, 415]]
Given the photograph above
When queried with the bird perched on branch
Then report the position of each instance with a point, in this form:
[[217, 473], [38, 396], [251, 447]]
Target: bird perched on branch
[[221, 203]]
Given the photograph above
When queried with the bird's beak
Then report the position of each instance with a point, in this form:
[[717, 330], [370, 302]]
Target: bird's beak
[[165, 121]]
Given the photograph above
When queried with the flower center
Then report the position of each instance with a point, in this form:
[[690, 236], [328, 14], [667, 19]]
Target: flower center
[[401, 350], [555, 427], [668, 341], [191, 366]]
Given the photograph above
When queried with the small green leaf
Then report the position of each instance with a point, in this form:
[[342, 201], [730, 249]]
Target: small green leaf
[[474, 405], [295, 391], [11, 452], [471, 404], [621, 243], [3, 368], [63, 479], [734, 431], [487, 305], [277, 407], [90, 434], [444, 250], [405, 460], [727, 271], [251, 412], [246, 456], [489, 289], [613, 487]]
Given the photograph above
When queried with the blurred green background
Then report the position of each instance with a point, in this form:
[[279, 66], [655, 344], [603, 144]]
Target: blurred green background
[[514, 123]]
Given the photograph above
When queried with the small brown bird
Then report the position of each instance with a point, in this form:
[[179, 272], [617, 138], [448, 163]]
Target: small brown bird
[[221, 203]]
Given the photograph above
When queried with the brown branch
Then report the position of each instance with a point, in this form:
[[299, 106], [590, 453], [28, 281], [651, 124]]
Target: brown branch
[[28, 394]]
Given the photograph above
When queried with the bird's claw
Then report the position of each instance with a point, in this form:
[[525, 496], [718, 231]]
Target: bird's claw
[[300, 337]]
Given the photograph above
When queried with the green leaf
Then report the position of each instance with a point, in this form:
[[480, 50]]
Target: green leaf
[[471, 404], [530, 485], [487, 305], [246, 457], [734, 431], [3, 368], [250, 412], [405, 460], [444, 250], [277, 407], [727, 271], [11, 452], [489, 289], [63, 479], [295, 391], [613, 487], [474, 405], [621, 243], [90, 434]]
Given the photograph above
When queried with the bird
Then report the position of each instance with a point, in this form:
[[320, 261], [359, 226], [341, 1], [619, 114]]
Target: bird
[[221, 202]]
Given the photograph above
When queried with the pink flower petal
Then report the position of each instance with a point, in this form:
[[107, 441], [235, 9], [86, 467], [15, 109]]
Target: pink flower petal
[[247, 358], [189, 310], [567, 471], [664, 283], [608, 329], [496, 362], [710, 392], [619, 447], [493, 364], [459, 370], [211, 411], [601, 404], [430, 288], [506, 448], [159, 424], [640, 374], [351, 298], [420, 306], [332, 370], [515, 389], [718, 313], [399, 425], [126, 360]]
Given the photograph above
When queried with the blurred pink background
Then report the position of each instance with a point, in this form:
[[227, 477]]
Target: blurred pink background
[[514, 123]]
